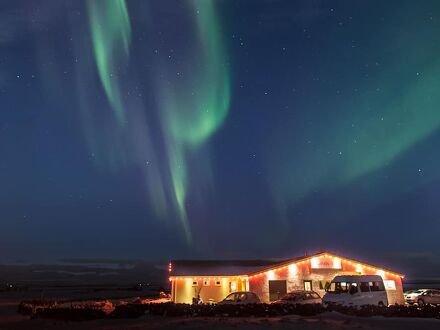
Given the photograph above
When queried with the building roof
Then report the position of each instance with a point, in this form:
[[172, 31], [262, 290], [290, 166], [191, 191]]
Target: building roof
[[248, 267], [322, 254], [219, 267]]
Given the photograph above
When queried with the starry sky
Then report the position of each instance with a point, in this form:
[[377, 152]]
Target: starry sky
[[220, 129]]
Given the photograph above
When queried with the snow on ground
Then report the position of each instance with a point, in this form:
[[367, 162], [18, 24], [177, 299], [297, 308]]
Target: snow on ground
[[324, 321]]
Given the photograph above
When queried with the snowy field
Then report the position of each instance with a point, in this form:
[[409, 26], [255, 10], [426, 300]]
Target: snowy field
[[330, 320]]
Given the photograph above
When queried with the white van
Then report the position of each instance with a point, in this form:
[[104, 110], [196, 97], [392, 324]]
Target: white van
[[356, 290]]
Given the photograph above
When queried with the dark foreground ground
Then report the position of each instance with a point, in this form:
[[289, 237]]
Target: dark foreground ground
[[324, 321], [11, 319]]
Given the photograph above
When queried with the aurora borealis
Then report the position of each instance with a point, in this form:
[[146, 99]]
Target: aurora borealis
[[219, 128], [111, 34], [197, 106]]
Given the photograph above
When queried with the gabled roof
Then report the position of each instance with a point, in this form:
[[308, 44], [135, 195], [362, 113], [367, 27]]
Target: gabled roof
[[317, 255], [322, 254], [250, 267]]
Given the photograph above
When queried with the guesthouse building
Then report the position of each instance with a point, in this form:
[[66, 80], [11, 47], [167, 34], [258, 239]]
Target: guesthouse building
[[212, 281]]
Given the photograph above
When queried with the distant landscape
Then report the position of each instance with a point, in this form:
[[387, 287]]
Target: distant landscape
[[83, 279]]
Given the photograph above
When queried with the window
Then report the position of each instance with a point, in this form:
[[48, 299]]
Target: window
[[288, 297], [338, 287], [308, 285], [231, 297], [353, 288], [194, 283], [232, 286], [389, 285], [218, 283], [376, 286], [314, 295], [296, 297], [206, 283], [365, 287], [241, 297], [323, 285]]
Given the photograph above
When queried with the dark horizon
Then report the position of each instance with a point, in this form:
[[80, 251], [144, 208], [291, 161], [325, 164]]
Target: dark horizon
[[412, 267]]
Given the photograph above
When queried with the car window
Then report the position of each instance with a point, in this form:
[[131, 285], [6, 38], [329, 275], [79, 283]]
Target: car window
[[353, 288], [250, 296], [365, 287], [376, 286], [339, 287], [242, 297], [231, 297], [314, 295]]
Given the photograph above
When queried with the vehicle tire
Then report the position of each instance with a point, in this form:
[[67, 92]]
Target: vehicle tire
[[381, 304], [420, 302]]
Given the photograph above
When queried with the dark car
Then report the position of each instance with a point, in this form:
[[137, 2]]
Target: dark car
[[240, 298], [300, 297], [429, 297]]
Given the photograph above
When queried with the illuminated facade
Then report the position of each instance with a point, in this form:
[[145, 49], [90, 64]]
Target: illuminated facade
[[213, 281]]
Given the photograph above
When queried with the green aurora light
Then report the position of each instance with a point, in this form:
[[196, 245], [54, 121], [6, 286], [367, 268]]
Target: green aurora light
[[198, 108], [111, 34], [352, 142]]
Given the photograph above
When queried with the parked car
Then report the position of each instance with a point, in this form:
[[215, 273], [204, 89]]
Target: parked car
[[240, 298], [300, 297], [428, 297], [356, 290], [411, 296]]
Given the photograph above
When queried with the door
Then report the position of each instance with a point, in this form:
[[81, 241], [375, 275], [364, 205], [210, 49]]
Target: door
[[308, 285], [277, 289]]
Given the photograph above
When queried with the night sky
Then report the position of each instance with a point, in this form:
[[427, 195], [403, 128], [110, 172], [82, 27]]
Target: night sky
[[220, 129]]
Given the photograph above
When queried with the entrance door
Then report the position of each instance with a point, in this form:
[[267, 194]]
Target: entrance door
[[277, 289], [308, 285]]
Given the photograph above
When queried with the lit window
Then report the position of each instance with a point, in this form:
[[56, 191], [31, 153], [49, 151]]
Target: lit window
[[293, 269], [308, 285], [315, 263], [323, 284], [381, 273], [270, 275], [337, 263], [389, 285], [233, 286], [194, 283]]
